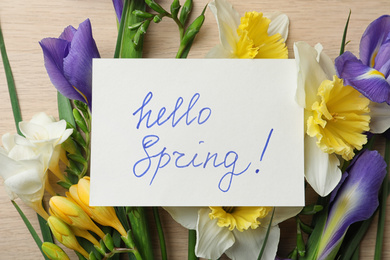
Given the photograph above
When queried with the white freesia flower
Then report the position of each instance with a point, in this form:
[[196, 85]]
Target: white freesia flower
[[24, 172], [239, 232], [251, 36], [336, 117], [44, 130]]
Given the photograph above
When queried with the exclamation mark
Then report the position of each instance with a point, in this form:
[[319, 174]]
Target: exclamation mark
[[265, 147]]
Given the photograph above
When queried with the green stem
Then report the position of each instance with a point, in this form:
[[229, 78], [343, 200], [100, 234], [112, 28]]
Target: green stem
[[160, 232], [30, 228], [191, 245], [11, 84], [266, 236], [139, 225], [382, 207]]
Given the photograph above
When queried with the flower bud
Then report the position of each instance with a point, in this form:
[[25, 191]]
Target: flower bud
[[72, 214], [105, 216], [64, 235], [185, 11], [54, 252]]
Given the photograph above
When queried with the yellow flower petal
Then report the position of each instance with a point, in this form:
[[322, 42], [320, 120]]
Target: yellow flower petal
[[241, 218], [339, 119]]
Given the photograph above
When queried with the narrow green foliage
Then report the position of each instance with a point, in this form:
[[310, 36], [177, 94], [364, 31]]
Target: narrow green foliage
[[160, 233], [65, 109], [65, 185], [293, 255], [30, 228], [300, 242], [382, 206], [11, 84], [266, 236], [343, 43], [191, 244], [185, 11]]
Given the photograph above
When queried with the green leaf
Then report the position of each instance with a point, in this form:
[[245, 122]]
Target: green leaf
[[30, 228], [382, 206], [11, 84], [45, 230], [266, 236], [160, 233], [65, 109], [343, 43]]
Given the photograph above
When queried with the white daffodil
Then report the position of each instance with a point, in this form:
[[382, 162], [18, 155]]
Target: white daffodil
[[239, 232], [44, 130], [251, 36], [336, 117]]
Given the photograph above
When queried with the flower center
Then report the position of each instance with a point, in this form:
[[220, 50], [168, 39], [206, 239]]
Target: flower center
[[241, 218], [339, 119], [254, 40]]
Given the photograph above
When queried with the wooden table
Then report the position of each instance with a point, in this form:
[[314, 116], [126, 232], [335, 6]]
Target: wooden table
[[25, 23]]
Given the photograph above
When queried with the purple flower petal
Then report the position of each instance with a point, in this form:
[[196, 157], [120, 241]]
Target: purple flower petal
[[382, 60], [54, 52], [118, 6], [372, 39], [368, 81], [355, 200], [68, 33], [78, 63]]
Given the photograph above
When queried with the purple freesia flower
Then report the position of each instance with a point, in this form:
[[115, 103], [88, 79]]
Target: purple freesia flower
[[370, 74], [354, 199], [68, 61], [118, 6]]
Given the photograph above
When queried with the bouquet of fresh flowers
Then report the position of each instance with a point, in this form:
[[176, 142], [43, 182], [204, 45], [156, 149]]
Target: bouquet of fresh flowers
[[346, 109]]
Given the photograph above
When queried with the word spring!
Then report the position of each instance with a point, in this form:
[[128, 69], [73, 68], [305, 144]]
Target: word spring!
[[153, 162]]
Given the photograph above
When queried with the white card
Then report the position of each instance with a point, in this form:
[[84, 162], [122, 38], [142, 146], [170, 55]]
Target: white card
[[199, 132]]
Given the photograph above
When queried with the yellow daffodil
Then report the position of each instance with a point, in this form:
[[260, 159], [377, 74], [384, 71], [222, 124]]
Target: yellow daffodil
[[252, 36], [336, 117], [239, 232]]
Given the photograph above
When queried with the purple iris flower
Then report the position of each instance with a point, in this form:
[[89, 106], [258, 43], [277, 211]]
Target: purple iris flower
[[354, 199], [68, 61], [371, 73], [118, 6]]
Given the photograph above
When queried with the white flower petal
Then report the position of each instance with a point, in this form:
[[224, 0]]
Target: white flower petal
[[185, 216], [279, 24], [310, 74], [249, 243], [281, 214], [8, 141], [219, 52], [33, 131], [42, 119], [228, 20], [8, 167], [20, 152], [325, 61], [25, 182], [211, 240], [380, 117], [321, 169], [65, 135]]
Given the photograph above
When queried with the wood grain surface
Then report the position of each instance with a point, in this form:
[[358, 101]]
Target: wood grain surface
[[26, 22]]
